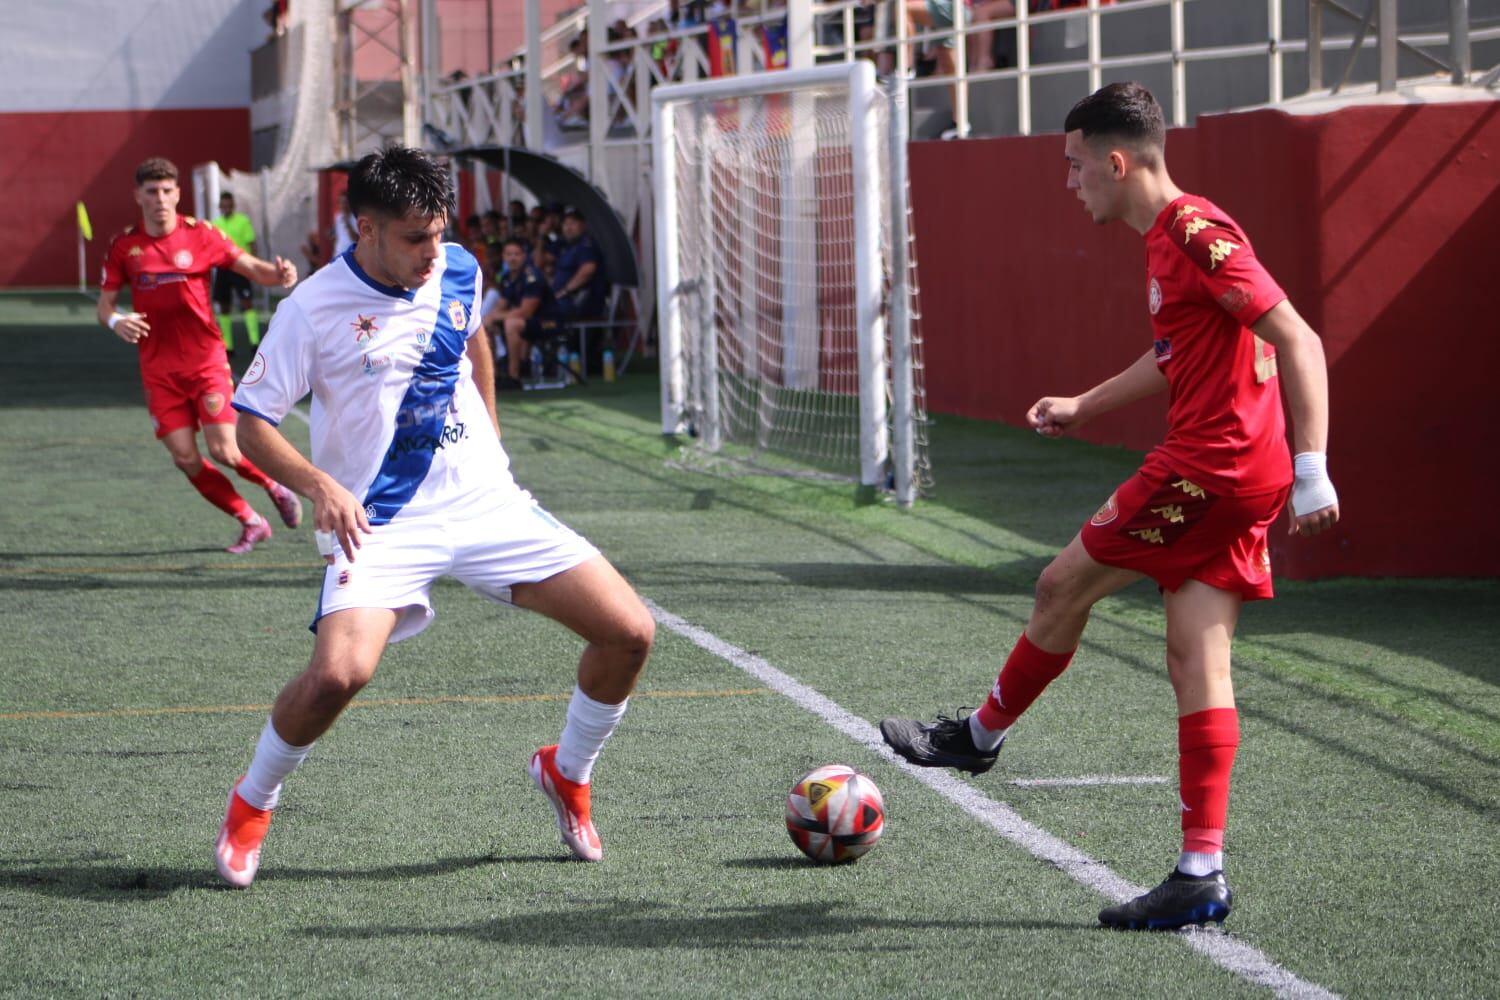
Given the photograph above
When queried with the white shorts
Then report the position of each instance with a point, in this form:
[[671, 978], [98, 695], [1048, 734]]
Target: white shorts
[[487, 549]]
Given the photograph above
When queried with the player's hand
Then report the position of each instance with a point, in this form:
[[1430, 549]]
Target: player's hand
[[286, 272], [132, 327], [338, 519], [1315, 504], [1052, 416]]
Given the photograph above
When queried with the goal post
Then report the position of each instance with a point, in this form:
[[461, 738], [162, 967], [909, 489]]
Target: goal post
[[783, 265]]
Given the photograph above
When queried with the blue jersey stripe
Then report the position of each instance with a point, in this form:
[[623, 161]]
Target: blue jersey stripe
[[421, 421]]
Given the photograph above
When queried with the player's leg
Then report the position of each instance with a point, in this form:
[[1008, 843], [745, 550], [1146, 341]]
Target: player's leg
[[246, 296], [515, 346], [1200, 627], [218, 434], [594, 601], [347, 651], [215, 487], [1065, 593]]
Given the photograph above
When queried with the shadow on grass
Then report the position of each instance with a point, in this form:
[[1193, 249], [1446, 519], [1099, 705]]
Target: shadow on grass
[[140, 884], [643, 924]]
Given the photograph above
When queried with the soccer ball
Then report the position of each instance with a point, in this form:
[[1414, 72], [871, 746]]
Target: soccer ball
[[835, 814]]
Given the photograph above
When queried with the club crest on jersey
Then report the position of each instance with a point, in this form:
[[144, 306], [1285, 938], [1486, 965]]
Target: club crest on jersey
[[458, 315], [182, 259], [364, 328], [343, 578], [1101, 517], [1153, 297], [255, 372]]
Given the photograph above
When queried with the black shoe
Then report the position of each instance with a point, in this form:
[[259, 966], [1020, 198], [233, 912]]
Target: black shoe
[[944, 743], [1177, 902], [505, 383]]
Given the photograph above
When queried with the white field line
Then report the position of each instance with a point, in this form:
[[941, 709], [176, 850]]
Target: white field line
[[1091, 779], [1227, 952]]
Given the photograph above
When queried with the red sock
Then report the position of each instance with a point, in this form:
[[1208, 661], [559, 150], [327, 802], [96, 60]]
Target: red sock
[[219, 491], [1206, 742], [249, 471], [1027, 671]]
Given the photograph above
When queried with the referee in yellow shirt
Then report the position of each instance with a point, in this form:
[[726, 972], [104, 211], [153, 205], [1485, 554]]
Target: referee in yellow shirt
[[229, 286]]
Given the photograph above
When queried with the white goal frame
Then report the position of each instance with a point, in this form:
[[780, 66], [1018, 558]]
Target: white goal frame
[[887, 433]]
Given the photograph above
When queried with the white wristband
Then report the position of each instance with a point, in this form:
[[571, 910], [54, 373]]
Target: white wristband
[[326, 542], [1312, 490], [114, 318]]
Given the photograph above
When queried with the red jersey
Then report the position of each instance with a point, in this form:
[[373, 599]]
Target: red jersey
[[169, 283], [1225, 427]]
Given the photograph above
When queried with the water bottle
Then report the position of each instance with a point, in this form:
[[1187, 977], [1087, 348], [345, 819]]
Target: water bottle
[[536, 362], [609, 365]]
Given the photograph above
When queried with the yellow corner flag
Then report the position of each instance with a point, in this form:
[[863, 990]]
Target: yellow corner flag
[[83, 222]]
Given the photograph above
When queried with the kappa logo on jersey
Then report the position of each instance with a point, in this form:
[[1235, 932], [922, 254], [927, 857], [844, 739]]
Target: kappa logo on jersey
[[136, 251], [457, 315], [1153, 297], [1102, 516], [1185, 210], [1219, 251], [255, 372], [1194, 227], [213, 402], [182, 259], [364, 328]]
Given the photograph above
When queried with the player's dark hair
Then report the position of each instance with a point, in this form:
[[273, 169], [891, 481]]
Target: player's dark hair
[[398, 180], [158, 168], [517, 241], [1124, 111]]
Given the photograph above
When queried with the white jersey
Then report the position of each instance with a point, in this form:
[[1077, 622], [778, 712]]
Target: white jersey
[[396, 417]]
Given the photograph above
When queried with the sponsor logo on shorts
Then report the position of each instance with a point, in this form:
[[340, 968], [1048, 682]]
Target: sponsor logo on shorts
[[458, 315], [343, 580], [1191, 489], [1153, 297], [255, 372], [213, 402], [370, 511], [1265, 560], [1105, 514], [364, 328], [1151, 536], [1170, 512], [182, 259]]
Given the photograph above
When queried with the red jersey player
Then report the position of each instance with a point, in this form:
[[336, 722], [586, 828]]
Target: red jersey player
[[1194, 517], [167, 261]]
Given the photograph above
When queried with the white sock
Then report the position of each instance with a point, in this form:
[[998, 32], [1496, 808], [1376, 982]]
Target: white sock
[[274, 759], [984, 738], [589, 724], [1196, 863]]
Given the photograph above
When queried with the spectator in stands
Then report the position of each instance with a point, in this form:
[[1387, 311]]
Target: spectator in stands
[[937, 15], [525, 312], [579, 281], [573, 107], [489, 226], [345, 229], [517, 216]]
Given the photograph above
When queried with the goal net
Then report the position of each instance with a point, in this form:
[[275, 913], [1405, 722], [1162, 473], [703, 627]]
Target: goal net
[[785, 275]]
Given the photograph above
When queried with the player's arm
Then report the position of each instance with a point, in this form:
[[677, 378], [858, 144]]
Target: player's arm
[[266, 272], [129, 327], [335, 510], [1304, 380], [1053, 416], [483, 361]]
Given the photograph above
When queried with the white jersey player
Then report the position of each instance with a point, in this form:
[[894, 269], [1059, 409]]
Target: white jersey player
[[409, 482]]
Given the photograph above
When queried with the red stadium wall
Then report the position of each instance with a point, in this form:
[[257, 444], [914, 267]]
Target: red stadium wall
[[53, 160], [1378, 221]]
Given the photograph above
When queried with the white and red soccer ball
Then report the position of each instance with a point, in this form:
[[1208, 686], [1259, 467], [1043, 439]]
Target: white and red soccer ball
[[835, 814]]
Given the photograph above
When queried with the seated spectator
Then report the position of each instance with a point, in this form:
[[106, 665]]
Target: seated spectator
[[524, 313], [579, 282], [472, 236]]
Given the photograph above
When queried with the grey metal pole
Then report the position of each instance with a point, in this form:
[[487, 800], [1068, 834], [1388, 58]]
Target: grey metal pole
[[1458, 40], [533, 130], [1314, 45], [1388, 36]]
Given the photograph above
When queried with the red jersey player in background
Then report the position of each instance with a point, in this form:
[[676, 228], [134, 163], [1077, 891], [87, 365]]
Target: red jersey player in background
[[167, 261], [1194, 518]]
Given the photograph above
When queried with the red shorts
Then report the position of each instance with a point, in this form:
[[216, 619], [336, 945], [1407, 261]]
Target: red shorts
[[178, 399], [1171, 529]]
